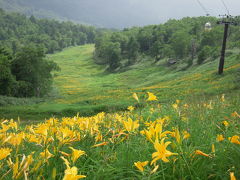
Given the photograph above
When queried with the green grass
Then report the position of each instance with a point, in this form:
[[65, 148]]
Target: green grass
[[85, 87]]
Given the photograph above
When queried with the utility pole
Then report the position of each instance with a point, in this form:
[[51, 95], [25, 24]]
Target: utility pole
[[227, 20]]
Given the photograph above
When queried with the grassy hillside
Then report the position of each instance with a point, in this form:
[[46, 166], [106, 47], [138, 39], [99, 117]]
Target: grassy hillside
[[84, 87]]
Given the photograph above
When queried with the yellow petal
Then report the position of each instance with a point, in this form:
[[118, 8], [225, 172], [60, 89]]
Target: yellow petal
[[213, 148], [4, 152], [76, 154], [198, 152], [232, 177], [220, 137], [155, 169], [235, 139], [140, 165], [135, 97], [151, 97], [101, 144], [225, 123]]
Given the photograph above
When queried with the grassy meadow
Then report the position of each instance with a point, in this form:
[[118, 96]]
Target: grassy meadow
[[145, 122], [86, 88]]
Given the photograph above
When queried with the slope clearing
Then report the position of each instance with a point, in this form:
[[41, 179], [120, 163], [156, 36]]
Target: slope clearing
[[84, 87]]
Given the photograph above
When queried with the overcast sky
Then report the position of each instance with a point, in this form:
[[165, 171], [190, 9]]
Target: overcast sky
[[127, 13], [161, 10]]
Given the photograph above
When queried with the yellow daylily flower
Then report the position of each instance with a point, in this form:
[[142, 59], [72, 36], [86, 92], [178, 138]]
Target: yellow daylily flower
[[155, 169], [232, 177], [235, 114], [176, 134], [175, 106], [162, 152], [186, 135], [42, 129], [4, 152], [222, 98], [4, 126], [13, 124], [209, 106], [225, 123], [65, 154], [151, 97], [213, 149], [140, 165], [235, 139], [220, 137], [76, 154], [198, 152], [33, 138], [130, 125], [135, 97], [66, 162], [72, 174], [186, 106], [101, 144], [177, 101], [16, 139], [155, 130], [130, 108], [20, 168], [46, 154], [99, 137]]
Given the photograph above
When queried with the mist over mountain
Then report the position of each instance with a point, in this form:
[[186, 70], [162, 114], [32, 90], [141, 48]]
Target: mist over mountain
[[117, 13]]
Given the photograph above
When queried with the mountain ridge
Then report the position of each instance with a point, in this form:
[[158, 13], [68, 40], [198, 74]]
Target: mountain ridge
[[98, 14]]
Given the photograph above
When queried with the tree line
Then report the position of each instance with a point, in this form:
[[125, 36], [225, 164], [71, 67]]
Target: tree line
[[17, 30], [185, 39]]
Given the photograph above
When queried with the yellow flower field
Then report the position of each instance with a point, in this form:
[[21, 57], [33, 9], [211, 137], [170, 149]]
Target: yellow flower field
[[159, 141]]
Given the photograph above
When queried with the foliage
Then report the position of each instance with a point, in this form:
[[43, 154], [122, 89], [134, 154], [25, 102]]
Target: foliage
[[27, 74], [17, 30], [7, 80], [176, 39], [32, 72], [203, 54]]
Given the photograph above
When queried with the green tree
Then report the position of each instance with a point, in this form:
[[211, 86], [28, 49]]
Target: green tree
[[113, 55], [157, 50], [180, 43], [7, 81], [133, 50], [33, 71], [145, 38], [212, 38], [203, 54]]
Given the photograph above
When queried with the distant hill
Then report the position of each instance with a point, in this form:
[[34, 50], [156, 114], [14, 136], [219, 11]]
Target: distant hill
[[28, 7], [110, 14]]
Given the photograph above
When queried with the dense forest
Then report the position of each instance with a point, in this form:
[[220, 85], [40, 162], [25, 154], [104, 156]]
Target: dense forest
[[24, 42], [177, 40], [17, 30]]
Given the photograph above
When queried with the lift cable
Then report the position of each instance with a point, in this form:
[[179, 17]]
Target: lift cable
[[203, 7], [225, 6]]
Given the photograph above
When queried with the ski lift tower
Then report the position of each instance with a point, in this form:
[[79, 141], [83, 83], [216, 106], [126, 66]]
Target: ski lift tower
[[227, 20]]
